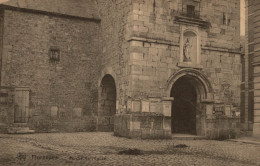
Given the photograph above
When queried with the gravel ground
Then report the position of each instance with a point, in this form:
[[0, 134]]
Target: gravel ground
[[105, 149]]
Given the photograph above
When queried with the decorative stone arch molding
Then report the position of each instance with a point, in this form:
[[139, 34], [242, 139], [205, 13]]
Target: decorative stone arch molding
[[204, 87], [190, 45]]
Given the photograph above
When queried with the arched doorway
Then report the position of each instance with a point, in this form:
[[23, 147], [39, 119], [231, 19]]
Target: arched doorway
[[107, 104], [191, 91], [184, 106]]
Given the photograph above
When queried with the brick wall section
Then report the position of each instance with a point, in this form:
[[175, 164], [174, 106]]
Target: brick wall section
[[70, 85]]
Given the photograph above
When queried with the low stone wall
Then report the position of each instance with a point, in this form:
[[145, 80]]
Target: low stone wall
[[223, 128], [47, 123], [142, 125], [156, 126]]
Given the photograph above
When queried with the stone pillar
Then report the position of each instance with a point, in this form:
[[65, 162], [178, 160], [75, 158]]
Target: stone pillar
[[206, 114], [167, 112]]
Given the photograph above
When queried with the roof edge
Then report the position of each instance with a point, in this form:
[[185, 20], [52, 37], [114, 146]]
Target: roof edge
[[35, 11]]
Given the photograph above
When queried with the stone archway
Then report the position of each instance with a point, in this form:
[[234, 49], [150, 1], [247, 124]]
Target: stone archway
[[107, 104], [190, 89]]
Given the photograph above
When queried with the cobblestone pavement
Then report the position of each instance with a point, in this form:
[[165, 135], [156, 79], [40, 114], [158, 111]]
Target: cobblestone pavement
[[103, 149]]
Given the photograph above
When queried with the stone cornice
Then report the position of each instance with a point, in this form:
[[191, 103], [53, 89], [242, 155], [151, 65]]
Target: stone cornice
[[222, 50], [192, 21], [149, 40], [170, 43]]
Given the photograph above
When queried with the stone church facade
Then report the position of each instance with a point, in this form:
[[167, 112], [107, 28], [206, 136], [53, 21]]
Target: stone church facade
[[140, 68]]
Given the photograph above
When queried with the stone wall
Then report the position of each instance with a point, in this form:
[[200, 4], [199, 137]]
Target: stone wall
[[65, 89], [142, 125], [140, 44], [114, 30], [156, 38]]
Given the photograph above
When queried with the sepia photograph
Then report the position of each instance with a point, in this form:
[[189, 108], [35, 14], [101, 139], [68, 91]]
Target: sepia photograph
[[130, 82]]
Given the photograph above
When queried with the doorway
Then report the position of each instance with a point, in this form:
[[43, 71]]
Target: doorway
[[107, 104], [184, 106]]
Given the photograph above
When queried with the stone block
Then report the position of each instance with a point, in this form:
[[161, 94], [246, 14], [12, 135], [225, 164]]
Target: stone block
[[54, 111], [145, 106], [136, 106], [154, 107], [167, 123], [136, 69], [257, 119], [146, 133], [167, 105], [129, 105], [77, 112], [136, 43], [136, 125], [209, 109], [137, 56], [228, 110], [256, 130], [209, 116]]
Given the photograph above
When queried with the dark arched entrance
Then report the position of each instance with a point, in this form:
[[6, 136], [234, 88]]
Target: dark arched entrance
[[184, 106], [191, 91], [107, 104]]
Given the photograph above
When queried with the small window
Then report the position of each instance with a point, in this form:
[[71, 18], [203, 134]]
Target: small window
[[54, 55], [190, 11]]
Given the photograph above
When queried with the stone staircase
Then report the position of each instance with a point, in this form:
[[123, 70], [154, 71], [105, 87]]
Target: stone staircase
[[19, 128]]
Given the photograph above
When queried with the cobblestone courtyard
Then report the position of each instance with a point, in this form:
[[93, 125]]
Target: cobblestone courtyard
[[104, 148]]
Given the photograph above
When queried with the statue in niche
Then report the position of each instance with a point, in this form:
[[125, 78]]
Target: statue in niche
[[187, 50]]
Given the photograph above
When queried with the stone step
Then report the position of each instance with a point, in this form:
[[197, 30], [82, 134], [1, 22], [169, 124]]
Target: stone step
[[19, 128], [187, 137], [22, 129], [19, 125]]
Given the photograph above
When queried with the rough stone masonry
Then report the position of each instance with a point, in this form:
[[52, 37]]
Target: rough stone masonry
[[140, 68]]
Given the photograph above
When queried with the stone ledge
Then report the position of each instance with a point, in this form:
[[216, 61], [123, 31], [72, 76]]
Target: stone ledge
[[186, 65], [221, 49], [167, 98], [149, 40], [192, 21], [208, 101]]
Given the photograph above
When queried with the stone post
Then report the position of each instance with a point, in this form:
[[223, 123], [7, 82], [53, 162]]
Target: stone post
[[206, 114], [167, 112]]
